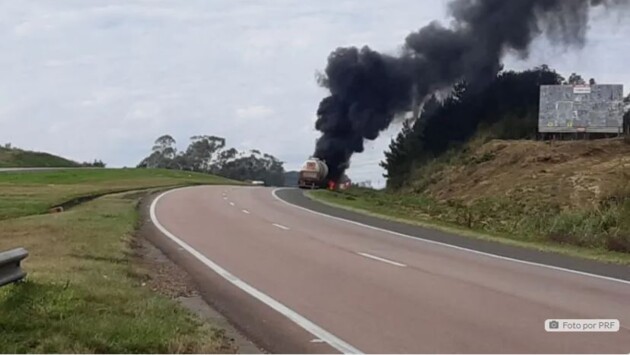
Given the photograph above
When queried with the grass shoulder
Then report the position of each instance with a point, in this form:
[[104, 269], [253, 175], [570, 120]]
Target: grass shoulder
[[27, 193], [86, 294], [86, 289], [422, 211]]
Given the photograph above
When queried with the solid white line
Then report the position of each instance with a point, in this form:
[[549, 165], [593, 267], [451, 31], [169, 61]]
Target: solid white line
[[420, 239], [231, 203], [381, 259], [246, 211], [281, 226], [306, 324]]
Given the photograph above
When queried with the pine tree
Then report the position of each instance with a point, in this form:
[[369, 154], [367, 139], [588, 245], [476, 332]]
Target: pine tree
[[399, 157]]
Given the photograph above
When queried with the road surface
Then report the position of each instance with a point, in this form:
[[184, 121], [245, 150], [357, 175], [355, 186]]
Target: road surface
[[349, 288]]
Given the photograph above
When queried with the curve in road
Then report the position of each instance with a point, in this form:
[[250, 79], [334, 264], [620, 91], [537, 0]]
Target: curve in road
[[358, 289]]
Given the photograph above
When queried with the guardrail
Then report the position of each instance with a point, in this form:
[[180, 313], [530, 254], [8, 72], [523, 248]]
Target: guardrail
[[10, 270]]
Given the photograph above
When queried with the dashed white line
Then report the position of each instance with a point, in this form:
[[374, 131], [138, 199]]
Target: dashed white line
[[298, 319], [225, 197], [381, 259], [280, 226], [246, 211], [231, 203]]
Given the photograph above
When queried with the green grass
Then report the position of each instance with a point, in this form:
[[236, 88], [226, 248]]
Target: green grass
[[84, 292], [17, 158], [27, 193], [586, 234]]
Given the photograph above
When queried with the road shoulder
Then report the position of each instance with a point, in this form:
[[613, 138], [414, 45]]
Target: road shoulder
[[297, 198]]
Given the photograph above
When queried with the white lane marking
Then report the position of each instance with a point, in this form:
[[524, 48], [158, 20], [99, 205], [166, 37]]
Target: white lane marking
[[306, 324], [420, 239], [381, 259], [281, 226], [246, 211], [225, 198], [231, 203]]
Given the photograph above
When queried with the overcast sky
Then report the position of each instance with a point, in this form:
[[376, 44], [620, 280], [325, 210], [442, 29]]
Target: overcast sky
[[103, 78]]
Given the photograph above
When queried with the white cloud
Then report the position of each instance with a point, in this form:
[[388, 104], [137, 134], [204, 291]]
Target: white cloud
[[103, 78], [254, 112]]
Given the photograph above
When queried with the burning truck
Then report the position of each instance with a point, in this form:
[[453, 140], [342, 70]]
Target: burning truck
[[314, 175]]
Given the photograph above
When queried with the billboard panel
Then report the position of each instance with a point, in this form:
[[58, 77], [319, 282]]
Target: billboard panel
[[581, 108]]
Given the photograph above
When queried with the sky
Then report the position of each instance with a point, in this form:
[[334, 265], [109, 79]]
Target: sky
[[101, 79]]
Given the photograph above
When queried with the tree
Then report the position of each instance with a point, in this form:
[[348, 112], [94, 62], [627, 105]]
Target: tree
[[591, 81], [398, 158], [255, 166], [506, 108], [626, 116], [199, 154], [576, 79], [97, 163], [206, 154], [165, 145], [162, 153]]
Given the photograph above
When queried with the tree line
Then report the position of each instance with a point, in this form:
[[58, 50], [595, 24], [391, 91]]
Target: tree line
[[208, 154], [506, 108]]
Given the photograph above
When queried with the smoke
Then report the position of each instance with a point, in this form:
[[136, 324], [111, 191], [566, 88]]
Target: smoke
[[368, 89]]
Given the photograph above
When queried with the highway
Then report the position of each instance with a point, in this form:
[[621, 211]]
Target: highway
[[323, 284]]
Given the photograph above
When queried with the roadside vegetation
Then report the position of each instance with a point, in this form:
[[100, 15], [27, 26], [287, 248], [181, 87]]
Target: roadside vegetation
[[85, 292], [18, 158], [27, 193], [11, 157], [570, 197], [471, 161], [423, 211], [209, 154]]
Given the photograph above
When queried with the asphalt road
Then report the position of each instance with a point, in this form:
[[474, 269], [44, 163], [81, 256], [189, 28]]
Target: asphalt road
[[332, 285]]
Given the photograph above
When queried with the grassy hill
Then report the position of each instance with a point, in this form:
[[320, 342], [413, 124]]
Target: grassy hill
[[18, 158], [88, 290], [563, 195], [26, 193]]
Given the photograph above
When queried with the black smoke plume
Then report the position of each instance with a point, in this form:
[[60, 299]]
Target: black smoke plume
[[368, 89]]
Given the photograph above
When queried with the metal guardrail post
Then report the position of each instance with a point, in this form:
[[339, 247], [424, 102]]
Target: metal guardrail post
[[10, 270]]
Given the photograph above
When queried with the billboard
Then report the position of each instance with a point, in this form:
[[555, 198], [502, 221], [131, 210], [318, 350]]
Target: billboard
[[581, 108]]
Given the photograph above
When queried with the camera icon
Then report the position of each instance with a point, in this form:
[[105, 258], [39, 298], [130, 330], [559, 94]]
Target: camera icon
[[554, 324]]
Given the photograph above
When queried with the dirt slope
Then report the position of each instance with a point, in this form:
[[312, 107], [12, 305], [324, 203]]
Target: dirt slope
[[567, 174]]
